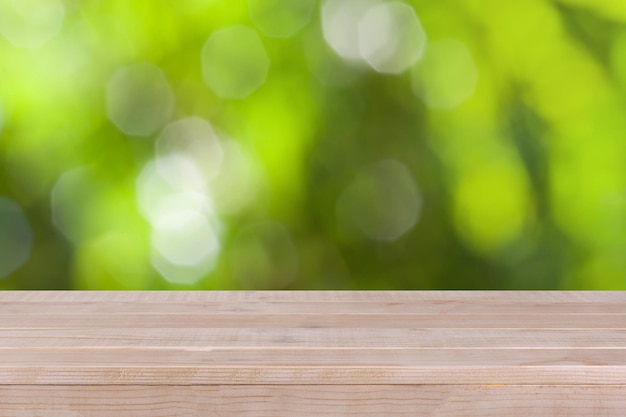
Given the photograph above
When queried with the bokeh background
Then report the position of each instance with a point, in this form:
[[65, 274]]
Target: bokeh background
[[305, 144]]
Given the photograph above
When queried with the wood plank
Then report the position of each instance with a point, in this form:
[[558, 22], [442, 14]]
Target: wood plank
[[316, 320], [319, 375], [304, 400], [46, 307], [402, 296], [307, 357], [190, 338]]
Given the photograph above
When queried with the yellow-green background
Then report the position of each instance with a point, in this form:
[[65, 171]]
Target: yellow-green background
[[522, 185]]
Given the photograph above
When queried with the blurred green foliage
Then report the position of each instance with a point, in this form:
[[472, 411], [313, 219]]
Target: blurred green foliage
[[300, 144]]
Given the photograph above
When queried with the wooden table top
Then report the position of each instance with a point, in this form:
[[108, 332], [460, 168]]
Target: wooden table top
[[312, 337]]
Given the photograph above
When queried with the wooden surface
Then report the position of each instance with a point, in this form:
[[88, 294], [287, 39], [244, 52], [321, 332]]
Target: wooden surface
[[317, 352], [313, 401]]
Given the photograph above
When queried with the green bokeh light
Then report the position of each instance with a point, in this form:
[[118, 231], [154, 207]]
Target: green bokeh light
[[313, 144]]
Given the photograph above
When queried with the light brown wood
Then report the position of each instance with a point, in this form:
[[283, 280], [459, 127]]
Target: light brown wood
[[336, 353], [323, 338], [314, 320], [454, 297], [321, 400]]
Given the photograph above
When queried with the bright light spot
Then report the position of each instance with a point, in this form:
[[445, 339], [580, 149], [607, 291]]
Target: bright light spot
[[192, 157], [234, 62], [154, 192], [160, 215], [72, 50], [181, 274], [446, 76], [30, 23], [68, 197], [391, 37], [185, 230], [186, 237], [340, 25], [195, 176], [263, 256], [280, 18], [151, 189], [181, 171], [194, 139], [16, 237], [139, 99], [383, 202], [237, 184], [185, 242]]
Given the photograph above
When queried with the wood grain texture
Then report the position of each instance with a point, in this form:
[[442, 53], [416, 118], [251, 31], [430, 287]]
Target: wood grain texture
[[312, 337], [313, 320], [322, 400], [479, 297]]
